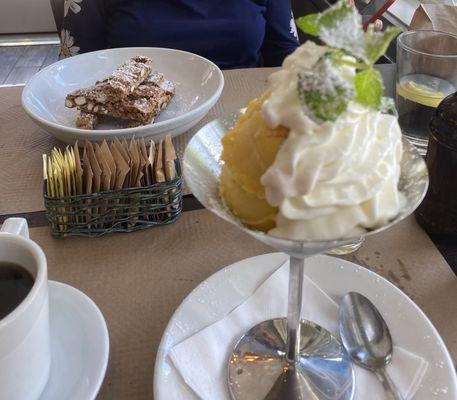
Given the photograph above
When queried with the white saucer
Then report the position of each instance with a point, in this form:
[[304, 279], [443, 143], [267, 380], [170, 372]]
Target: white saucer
[[226, 289], [79, 345]]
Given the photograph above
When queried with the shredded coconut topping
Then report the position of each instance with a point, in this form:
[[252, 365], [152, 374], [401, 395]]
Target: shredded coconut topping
[[326, 81], [324, 78]]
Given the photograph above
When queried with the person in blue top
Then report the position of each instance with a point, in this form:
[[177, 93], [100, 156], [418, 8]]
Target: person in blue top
[[231, 33]]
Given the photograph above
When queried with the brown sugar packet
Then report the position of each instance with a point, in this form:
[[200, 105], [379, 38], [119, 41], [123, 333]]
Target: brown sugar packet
[[125, 146], [135, 162], [141, 178], [105, 181], [140, 174], [150, 171], [122, 166], [151, 158], [123, 151], [141, 165], [88, 174], [169, 166], [145, 172], [78, 170], [122, 169], [169, 157], [159, 174], [135, 174], [96, 170], [110, 161], [147, 165]]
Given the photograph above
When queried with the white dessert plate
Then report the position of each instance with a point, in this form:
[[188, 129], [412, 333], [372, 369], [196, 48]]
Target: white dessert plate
[[198, 81], [79, 345], [226, 289]]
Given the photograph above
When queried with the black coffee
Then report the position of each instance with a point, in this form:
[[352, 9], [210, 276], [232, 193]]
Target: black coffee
[[15, 284]]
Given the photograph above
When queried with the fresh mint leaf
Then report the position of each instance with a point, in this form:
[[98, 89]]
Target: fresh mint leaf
[[369, 88], [340, 26], [377, 42], [333, 16], [347, 35], [325, 107], [323, 91], [312, 23], [309, 24]]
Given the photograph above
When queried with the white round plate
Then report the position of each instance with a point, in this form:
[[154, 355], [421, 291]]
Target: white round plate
[[229, 287], [79, 345], [198, 81]]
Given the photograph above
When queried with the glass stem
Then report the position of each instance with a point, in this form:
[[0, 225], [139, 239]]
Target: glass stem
[[296, 271]]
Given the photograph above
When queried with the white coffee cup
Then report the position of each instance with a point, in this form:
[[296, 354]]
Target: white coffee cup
[[25, 355]]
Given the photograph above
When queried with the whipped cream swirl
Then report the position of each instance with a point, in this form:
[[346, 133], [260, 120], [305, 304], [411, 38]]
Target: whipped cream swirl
[[329, 180]]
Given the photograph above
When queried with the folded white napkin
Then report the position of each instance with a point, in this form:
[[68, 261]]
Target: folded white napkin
[[202, 358]]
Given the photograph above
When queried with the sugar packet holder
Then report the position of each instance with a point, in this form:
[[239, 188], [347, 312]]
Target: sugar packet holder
[[117, 210], [124, 210]]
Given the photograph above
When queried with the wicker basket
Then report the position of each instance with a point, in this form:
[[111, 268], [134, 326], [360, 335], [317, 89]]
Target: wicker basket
[[125, 210]]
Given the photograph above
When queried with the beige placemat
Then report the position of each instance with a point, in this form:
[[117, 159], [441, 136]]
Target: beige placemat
[[22, 143], [139, 279], [21, 146]]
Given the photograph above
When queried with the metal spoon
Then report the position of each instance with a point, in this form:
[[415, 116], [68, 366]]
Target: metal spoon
[[366, 338]]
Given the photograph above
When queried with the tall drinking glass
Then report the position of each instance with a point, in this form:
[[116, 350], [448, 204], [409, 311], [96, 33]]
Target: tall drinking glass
[[426, 74]]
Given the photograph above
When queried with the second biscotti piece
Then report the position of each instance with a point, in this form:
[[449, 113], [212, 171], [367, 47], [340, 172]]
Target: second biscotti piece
[[142, 110]]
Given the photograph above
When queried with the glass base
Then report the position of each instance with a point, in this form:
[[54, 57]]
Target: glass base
[[258, 368], [347, 248], [420, 144]]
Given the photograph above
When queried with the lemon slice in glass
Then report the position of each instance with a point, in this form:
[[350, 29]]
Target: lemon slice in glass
[[420, 93]]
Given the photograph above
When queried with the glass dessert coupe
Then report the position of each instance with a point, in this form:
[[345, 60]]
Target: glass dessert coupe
[[287, 358]]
